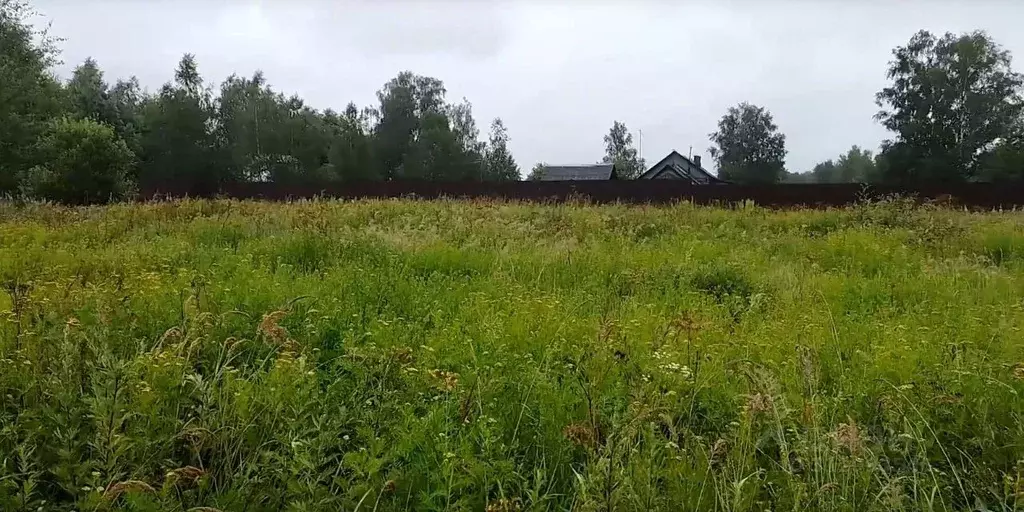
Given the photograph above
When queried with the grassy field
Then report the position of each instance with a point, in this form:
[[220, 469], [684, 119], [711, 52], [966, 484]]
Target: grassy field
[[401, 355]]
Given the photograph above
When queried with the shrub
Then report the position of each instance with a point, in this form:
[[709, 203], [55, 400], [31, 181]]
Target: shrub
[[82, 162]]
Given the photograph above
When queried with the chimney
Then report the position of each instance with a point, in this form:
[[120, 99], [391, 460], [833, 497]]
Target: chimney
[[696, 160]]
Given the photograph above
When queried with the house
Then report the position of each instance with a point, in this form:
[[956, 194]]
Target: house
[[579, 172], [678, 167]]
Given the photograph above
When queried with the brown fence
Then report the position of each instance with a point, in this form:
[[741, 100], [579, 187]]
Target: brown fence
[[979, 195]]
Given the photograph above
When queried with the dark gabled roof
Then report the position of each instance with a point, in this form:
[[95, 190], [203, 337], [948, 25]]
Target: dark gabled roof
[[675, 154], [578, 172]]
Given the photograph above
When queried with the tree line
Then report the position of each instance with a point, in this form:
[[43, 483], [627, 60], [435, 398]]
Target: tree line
[[85, 140], [954, 107]]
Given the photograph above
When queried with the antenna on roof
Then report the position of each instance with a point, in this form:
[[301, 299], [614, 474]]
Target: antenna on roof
[[641, 143], [690, 156]]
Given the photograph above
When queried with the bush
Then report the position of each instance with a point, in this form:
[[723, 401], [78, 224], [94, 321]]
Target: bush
[[82, 162]]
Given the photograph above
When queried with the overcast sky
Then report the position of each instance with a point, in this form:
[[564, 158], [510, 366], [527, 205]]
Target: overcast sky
[[557, 72]]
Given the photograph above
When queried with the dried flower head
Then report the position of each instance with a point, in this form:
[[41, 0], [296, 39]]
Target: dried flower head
[[719, 450], [194, 436], [270, 328], [446, 381], [116, 490], [848, 436], [687, 322], [1018, 371], [402, 355], [758, 403], [187, 476], [580, 434], [504, 505]]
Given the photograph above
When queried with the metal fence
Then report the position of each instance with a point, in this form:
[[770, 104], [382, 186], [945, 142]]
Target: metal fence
[[977, 195]]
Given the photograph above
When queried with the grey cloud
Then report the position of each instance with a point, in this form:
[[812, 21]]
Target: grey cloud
[[558, 73]]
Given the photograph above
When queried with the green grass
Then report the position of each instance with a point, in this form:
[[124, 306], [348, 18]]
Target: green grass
[[448, 355]]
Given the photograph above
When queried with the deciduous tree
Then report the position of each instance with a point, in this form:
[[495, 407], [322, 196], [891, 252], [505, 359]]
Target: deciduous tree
[[619, 150], [748, 146], [29, 93], [952, 98], [537, 172], [82, 162], [498, 161]]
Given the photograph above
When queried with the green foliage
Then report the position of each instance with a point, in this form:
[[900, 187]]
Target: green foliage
[[29, 94], [951, 99], [619, 150], [352, 152], [458, 355], [85, 163], [178, 148], [499, 164], [748, 147], [855, 166], [420, 136], [257, 124], [537, 172], [1005, 162]]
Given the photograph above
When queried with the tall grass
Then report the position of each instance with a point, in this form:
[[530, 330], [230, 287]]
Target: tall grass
[[447, 355]]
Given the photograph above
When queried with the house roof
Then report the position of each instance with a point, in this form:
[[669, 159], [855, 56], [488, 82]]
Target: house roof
[[656, 168], [578, 172]]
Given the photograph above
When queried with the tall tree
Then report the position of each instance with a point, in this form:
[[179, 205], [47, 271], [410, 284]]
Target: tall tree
[[126, 99], [620, 151], [248, 117], [178, 146], [418, 135], [537, 172], [399, 120], [498, 161], [468, 162], [351, 153], [951, 99], [89, 96], [29, 93], [436, 154], [748, 147]]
